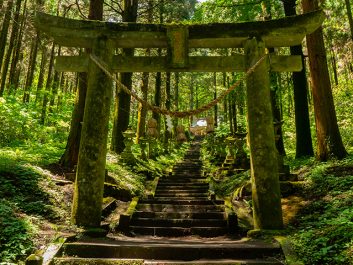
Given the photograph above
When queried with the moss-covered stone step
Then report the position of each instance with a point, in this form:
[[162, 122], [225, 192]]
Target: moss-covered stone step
[[179, 208], [180, 215], [179, 231], [182, 202], [180, 194], [184, 223], [88, 261], [182, 189], [179, 185], [215, 262], [184, 181], [184, 250], [177, 198]]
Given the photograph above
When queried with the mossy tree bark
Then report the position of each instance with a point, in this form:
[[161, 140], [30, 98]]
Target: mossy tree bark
[[264, 169], [329, 141], [89, 185], [304, 145]]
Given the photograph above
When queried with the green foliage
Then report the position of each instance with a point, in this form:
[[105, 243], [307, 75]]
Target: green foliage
[[324, 228], [15, 234], [25, 191]]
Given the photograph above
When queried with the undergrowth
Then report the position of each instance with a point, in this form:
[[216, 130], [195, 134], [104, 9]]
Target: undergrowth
[[323, 230]]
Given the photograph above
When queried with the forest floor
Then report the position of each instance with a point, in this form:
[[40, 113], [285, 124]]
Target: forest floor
[[35, 208]]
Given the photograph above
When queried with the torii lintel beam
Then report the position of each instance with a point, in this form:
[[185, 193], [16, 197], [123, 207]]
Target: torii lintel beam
[[235, 63], [283, 32]]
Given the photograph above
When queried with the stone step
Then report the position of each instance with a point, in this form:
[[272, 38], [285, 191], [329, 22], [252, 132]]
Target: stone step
[[94, 261], [177, 199], [180, 215], [215, 262], [179, 231], [165, 193], [183, 186], [184, 181], [182, 201], [184, 223], [179, 208], [183, 189], [172, 250]]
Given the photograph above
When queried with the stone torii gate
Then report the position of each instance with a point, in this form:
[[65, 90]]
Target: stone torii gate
[[103, 37]]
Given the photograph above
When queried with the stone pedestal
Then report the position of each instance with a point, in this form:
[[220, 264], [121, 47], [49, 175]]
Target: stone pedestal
[[143, 145], [181, 137], [283, 169], [241, 160], [127, 156]]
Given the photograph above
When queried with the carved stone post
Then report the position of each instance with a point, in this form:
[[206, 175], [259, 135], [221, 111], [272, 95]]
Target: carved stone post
[[263, 156], [89, 185]]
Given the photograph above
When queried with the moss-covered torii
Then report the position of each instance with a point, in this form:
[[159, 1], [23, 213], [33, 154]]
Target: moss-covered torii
[[104, 37]]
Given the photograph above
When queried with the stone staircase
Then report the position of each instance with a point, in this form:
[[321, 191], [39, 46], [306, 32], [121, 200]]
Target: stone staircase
[[181, 206], [179, 225]]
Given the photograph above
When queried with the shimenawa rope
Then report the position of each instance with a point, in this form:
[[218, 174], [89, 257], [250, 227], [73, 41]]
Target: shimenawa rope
[[179, 114]]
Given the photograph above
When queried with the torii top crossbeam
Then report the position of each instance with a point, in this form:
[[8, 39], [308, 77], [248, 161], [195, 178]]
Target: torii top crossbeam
[[178, 38], [274, 33]]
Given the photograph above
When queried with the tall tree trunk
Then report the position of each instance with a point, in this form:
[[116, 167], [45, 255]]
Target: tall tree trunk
[[350, 18], [214, 97], [31, 68], [191, 97], [334, 65], [41, 73], [14, 69], [230, 110], [233, 106], [48, 86], [276, 111], [329, 141], [157, 98], [13, 38], [142, 110], [168, 104], [122, 99], [5, 30], [55, 87], [70, 157], [225, 101], [176, 100]]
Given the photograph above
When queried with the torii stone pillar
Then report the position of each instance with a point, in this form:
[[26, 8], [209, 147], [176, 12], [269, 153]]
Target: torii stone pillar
[[264, 174], [89, 184]]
